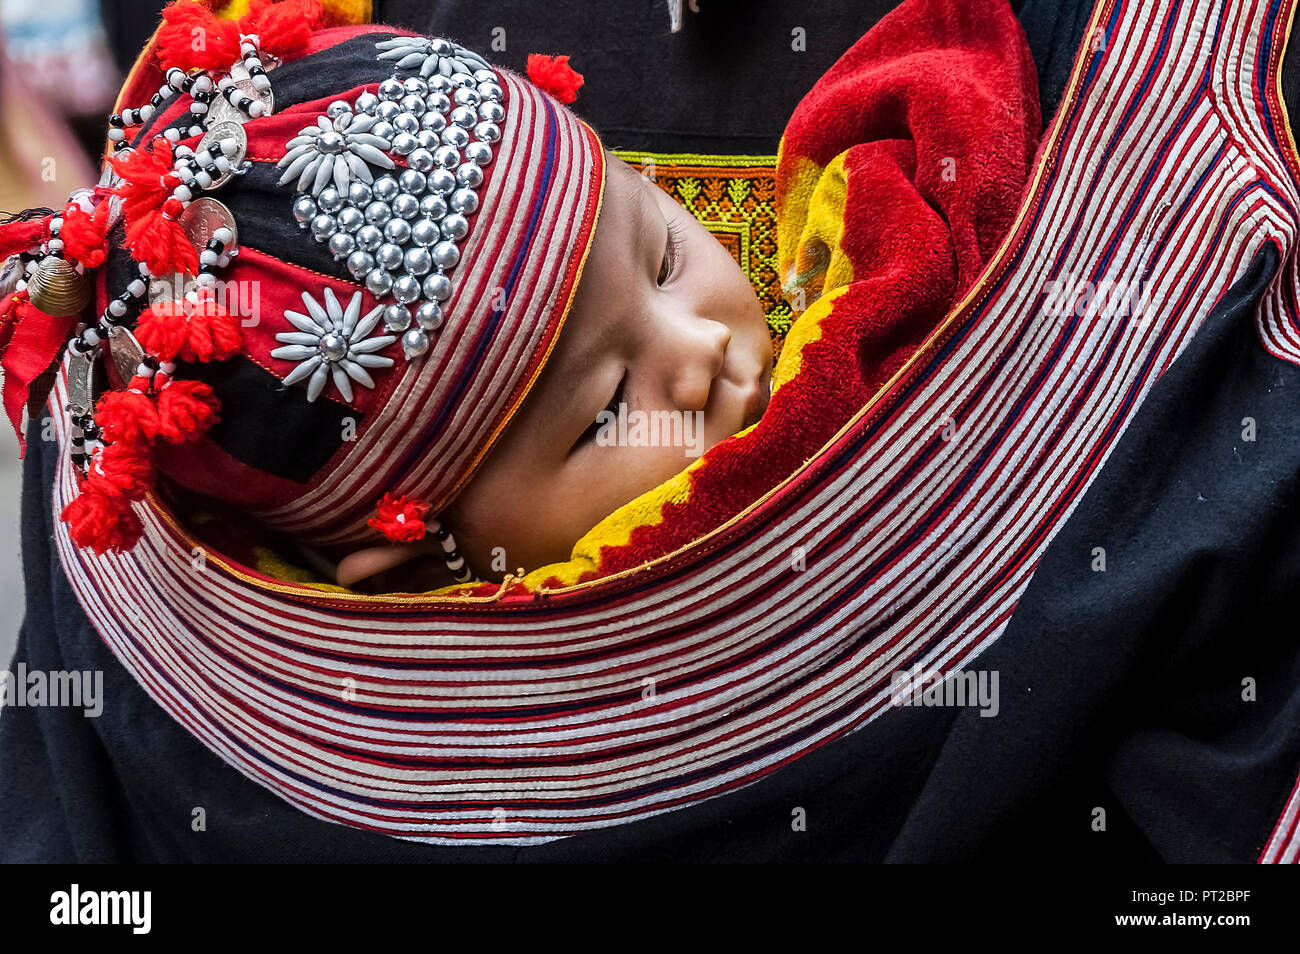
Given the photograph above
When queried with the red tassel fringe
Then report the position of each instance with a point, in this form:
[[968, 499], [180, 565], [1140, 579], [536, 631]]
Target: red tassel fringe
[[101, 520], [190, 331], [85, 234], [192, 37], [129, 416], [152, 232], [100, 516], [186, 410], [554, 75], [283, 30]]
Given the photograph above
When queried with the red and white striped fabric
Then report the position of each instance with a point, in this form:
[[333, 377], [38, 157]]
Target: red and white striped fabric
[[523, 720]]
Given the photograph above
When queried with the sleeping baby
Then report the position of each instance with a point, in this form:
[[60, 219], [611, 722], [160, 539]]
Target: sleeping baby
[[663, 320]]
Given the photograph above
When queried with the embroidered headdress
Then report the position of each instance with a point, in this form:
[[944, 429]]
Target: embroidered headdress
[[326, 264]]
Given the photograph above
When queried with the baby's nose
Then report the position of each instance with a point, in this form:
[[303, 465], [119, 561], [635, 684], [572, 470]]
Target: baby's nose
[[700, 356]]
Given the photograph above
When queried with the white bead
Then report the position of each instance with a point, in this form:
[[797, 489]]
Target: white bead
[[207, 257], [117, 308], [262, 82], [137, 288], [182, 192], [172, 135], [116, 135], [56, 245], [203, 179], [256, 108], [229, 147], [90, 336], [205, 278], [223, 235], [146, 111], [199, 108], [203, 84], [183, 151]]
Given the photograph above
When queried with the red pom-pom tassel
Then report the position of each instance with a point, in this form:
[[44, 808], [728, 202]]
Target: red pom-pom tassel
[[100, 519], [158, 240], [186, 409], [400, 518], [192, 37], [128, 416], [152, 232], [554, 75], [283, 29], [190, 331], [163, 330], [85, 234], [213, 333], [126, 469]]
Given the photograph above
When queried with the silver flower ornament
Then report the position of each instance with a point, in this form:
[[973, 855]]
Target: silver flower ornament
[[331, 341], [340, 148]]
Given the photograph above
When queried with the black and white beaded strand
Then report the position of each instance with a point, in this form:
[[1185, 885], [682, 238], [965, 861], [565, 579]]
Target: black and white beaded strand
[[201, 170], [251, 57], [456, 565], [177, 81], [86, 346], [236, 97]]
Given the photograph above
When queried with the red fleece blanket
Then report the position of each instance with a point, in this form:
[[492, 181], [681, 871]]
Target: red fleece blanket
[[899, 174]]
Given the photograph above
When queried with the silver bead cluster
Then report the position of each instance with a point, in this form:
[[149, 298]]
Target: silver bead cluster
[[400, 232]]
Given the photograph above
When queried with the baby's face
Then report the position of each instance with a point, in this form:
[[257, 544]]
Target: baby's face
[[663, 320]]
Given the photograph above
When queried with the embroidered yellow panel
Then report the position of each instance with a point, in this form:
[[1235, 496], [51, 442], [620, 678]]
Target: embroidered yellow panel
[[734, 197]]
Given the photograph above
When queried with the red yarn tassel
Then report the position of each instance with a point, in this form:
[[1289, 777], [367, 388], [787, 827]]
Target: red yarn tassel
[[128, 416], [283, 29], [85, 234], [157, 239], [554, 75], [192, 37], [162, 331], [214, 333], [190, 331], [147, 171], [186, 410], [101, 520], [152, 232], [126, 469]]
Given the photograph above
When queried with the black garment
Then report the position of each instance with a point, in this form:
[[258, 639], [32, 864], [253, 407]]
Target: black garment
[[1119, 690], [653, 90]]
